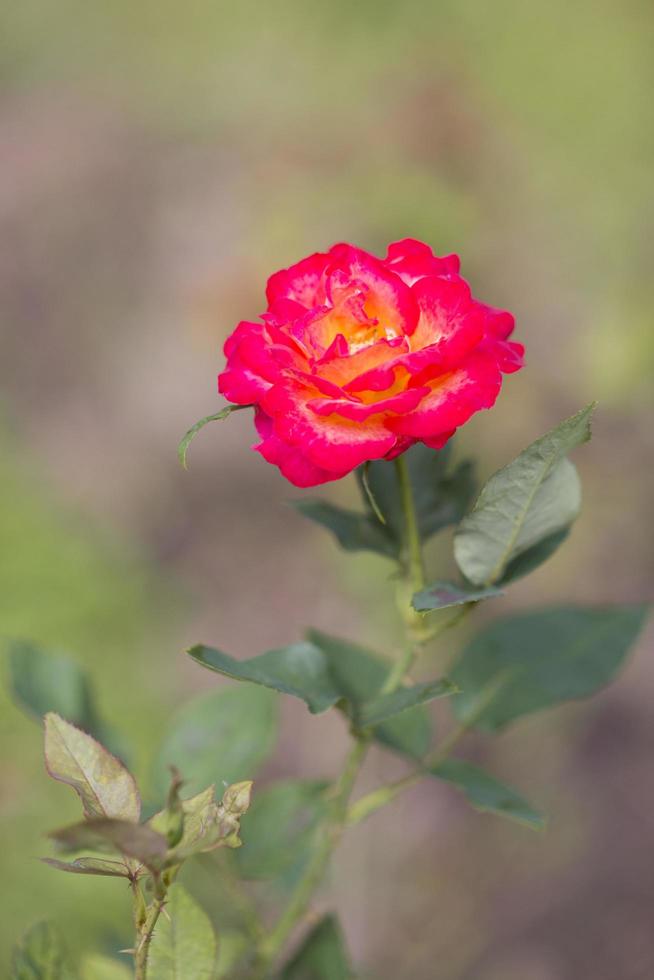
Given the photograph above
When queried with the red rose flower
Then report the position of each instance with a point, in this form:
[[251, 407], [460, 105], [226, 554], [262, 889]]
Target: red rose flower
[[357, 358]]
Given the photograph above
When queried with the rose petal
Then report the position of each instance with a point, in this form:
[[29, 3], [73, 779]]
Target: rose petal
[[334, 444], [303, 282]]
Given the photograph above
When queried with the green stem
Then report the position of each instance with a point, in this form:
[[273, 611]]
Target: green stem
[[412, 534], [145, 935], [386, 794], [330, 835], [333, 828]]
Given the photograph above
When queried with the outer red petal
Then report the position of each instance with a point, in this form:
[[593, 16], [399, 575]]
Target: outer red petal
[[336, 445], [303, 282], [412, 260], [297, 469]]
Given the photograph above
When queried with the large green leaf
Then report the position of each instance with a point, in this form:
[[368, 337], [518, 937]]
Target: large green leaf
[[387, 706], [219, 737], [321, 956], [102, 782], [41, 681], [536, 496], [353, 531], [541, 659], [442, 595], [486, 794], [40, 955], [278, 828], [440, 498], [300, 670], [184, 945], [359, 675]]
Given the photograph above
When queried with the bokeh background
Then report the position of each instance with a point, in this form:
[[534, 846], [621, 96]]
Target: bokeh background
[[159, 160]]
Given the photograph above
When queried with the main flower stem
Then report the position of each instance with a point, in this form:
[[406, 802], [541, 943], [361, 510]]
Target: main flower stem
[[413, 545], [332, 829]]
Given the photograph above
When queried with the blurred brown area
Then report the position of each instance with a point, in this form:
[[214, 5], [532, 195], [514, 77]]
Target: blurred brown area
[[158, 162]]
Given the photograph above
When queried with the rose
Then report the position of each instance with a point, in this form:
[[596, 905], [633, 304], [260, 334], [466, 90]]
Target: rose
[[357, 358]]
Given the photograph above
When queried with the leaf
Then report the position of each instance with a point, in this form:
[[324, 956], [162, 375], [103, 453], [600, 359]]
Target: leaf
[[104, 834], [300, 670], [547, 657], [486, 794], [101, 781], [278, 829], [90, 866], [96, 967], [440, 499], [441, 595], [219, 737], [353, 531], [41, 682], [321, 956], [537, 495], [184, 945], [359, 674], [40, 955], [383, 708], [224, 413]]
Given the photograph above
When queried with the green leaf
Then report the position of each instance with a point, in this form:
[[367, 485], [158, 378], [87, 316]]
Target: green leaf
[[96, 967], [359, 674], [527, 502], [134, 840], [300, 670], [441, 595], [486, 794], [184, 945], [182, 449], [90, 866], [440, 499], [101, 781], [353, 531], [41, 682], [219, 737], [387, 706], [40, 955], [321, 956], [278, 829], [546, 657]]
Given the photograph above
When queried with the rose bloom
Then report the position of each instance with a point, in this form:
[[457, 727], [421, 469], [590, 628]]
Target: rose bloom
[[357, 358]]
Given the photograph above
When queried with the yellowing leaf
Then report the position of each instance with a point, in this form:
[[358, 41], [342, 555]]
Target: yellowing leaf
[[101, 781]]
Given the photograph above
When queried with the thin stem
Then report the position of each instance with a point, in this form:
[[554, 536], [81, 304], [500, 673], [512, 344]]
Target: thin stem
[[145, 938], [385, 794], [335, 824], [331, 834], [412, 532]]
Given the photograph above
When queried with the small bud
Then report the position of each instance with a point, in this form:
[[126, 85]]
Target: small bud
[[236, 798]]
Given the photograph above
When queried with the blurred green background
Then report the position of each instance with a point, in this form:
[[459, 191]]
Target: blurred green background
[[159, 160]]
